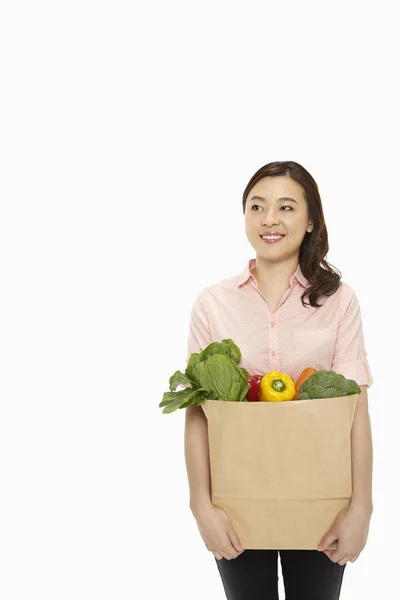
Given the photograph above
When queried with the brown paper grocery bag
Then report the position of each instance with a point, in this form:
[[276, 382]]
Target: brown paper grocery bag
[[281, 470]]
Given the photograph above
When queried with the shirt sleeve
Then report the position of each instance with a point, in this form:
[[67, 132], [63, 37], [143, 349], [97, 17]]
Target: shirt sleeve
[[350, 357], [199, 328]]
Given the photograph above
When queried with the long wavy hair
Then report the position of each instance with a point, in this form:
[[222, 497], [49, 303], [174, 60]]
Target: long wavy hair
[[323, 277]]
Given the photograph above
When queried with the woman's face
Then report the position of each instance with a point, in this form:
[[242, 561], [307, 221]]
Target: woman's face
[[270, 212]]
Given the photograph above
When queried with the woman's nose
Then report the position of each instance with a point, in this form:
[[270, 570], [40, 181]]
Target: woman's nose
[[270, 215], [270, 219]]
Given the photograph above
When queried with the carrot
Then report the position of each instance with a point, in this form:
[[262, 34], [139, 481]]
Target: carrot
[[302, 377]]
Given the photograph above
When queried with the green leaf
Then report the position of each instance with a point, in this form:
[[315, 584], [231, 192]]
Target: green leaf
[[169, 397], [197, 397], [234, 392], [219, 374], [174, 405], [178, 378], [181, 399], [245, 373], [212, 373], [226, 347]]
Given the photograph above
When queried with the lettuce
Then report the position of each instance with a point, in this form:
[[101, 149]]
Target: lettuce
[[212, 374]]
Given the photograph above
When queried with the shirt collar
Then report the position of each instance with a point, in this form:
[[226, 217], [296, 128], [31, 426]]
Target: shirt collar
[[248, 272]]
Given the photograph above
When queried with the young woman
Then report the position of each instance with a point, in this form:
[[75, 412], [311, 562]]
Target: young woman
[[286, 310]]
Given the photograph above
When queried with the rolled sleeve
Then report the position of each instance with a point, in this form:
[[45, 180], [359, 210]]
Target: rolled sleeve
[[350, 356], [199, 328]]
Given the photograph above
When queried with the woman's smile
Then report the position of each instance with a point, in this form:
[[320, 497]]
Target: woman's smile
[[272, 239]]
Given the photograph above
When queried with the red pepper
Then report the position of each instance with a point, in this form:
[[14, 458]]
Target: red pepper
[[254, 388]]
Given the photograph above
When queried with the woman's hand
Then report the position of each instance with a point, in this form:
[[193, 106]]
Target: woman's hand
[[217, 532], [351, 530]]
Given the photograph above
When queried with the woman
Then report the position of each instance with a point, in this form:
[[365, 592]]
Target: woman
[[264, 310]]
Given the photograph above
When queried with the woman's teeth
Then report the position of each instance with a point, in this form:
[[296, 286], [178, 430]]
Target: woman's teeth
[[272, 239]]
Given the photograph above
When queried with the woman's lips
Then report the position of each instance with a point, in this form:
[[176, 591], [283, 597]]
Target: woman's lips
[[272, 241]]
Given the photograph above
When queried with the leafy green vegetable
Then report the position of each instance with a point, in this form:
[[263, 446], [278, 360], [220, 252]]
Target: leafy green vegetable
[[212, 373], [327, 384]]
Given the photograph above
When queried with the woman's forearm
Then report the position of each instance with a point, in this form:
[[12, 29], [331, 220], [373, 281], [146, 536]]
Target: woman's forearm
[[197, 458], [362, 455]]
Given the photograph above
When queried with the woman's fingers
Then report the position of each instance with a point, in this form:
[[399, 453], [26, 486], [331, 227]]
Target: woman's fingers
[[234, 539]]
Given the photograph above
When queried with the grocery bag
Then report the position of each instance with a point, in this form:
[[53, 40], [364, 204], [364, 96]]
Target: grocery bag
[[281, 470]]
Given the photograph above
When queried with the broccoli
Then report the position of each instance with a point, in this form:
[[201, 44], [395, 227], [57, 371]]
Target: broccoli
[[327, 384]]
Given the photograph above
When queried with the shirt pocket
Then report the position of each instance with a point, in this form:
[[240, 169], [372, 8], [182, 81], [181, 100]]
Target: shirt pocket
[[313, 347]]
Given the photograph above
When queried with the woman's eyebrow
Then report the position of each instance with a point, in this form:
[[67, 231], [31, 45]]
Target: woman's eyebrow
[[284, 198]]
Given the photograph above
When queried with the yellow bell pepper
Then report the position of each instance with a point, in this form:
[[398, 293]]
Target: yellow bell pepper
[[277, 387]]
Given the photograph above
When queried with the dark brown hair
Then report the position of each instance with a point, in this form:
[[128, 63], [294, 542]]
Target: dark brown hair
[[323, 278]]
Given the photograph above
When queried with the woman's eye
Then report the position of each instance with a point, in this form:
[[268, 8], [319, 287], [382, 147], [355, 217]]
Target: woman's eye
[[285, 206]]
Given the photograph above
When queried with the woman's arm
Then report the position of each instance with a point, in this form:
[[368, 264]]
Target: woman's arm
[[362, 456], [196, 427], [197, 458]]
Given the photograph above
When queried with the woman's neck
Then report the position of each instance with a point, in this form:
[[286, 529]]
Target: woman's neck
[[274, 275]]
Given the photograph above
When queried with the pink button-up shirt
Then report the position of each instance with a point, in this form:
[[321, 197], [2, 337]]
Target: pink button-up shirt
[[290, 339]]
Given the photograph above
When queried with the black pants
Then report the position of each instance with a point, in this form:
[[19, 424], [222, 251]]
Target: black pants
[[307, 575]]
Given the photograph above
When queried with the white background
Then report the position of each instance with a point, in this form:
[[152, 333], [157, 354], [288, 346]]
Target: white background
[[128, 134]]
